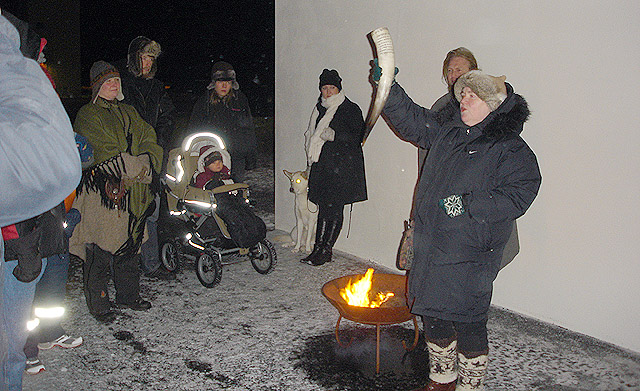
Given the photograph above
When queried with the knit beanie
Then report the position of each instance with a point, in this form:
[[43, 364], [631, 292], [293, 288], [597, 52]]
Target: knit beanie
[[100, 72], [330, 77], [490, 89], [223, 71], [216, 155]]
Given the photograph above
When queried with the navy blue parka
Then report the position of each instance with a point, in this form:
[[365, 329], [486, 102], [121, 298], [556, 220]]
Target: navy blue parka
[[491, 166]]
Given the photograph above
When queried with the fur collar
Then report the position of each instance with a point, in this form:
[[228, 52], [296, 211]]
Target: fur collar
[[509, 119]]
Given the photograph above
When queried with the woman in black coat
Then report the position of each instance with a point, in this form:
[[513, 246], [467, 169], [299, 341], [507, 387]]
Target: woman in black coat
[[224, 110], [478, 177], [333, 143]]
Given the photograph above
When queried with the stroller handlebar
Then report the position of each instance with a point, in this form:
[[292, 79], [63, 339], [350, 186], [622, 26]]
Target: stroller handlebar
[[228, 188]]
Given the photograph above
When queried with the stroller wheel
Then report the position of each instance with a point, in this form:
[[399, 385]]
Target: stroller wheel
[[209, 268], [263, 257], [170, 255]]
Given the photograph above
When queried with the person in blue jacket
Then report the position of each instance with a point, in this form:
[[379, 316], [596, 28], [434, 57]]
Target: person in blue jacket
[[478, 177]]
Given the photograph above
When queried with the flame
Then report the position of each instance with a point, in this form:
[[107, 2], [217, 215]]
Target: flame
[[358, 293]]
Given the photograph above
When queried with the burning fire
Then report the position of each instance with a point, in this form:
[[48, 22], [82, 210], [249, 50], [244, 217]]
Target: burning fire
[[359, 293]]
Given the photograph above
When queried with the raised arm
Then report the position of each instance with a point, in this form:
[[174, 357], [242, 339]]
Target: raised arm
[[411, 121]]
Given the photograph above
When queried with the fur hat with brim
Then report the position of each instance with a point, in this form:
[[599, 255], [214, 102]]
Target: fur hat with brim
[[223, 71], [490, 89], [100, 72], [138, 47]]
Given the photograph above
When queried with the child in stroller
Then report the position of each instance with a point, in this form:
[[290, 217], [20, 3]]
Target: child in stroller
[[211, 170], [219, 226]]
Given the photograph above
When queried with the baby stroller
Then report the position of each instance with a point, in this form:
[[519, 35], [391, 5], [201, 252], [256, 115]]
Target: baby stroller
[[217, 226]]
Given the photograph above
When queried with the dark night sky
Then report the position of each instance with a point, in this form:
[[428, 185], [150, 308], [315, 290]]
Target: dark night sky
[[193, 34]]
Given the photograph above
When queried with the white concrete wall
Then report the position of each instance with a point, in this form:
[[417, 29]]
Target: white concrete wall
[[576, 63]]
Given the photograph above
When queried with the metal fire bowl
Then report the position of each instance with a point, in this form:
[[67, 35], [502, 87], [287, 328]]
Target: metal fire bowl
[[393, 311]]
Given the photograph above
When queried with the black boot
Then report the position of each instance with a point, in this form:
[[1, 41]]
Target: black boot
[[95, 278], [326, 251], [321, 233]]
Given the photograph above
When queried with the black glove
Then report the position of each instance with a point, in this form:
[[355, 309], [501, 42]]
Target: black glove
[[72, 219], [155, 186], [25, 249]]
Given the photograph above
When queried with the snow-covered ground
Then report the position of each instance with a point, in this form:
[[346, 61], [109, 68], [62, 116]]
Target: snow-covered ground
[[276, 332]]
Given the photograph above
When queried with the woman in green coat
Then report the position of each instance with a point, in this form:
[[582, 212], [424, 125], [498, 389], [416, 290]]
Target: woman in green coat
[[115, 195]]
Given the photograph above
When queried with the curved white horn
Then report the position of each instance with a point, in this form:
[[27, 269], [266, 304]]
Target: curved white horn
[[386, 61]]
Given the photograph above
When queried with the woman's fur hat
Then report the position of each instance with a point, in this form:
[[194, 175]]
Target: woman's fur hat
[[100, 72], [139, 46], [490, 89], [223, 71]]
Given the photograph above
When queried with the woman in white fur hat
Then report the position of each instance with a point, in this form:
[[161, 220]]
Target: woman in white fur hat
[[478, 177]]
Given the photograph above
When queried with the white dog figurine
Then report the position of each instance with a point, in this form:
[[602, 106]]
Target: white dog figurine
[[306, 211]]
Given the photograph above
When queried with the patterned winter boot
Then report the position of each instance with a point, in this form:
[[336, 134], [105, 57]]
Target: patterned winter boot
[[442, 367], [471, 371]]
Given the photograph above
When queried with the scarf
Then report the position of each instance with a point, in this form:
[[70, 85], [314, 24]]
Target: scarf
[[312, 141]]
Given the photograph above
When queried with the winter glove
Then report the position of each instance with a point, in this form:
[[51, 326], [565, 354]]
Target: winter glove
[[452, 205], [29, 266], [156, 184], [85, 150], [328, 134], [24, 247], [72, 219], [377, 72]]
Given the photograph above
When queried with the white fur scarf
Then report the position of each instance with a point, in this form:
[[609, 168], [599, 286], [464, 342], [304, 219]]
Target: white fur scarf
[[312, 141]]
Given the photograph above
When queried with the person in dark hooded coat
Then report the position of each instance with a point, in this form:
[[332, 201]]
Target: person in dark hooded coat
[[333, 143], [479, 176], [147, 94]]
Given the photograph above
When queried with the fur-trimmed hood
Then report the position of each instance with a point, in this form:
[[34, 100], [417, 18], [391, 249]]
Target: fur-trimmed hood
[[509, 117], [142, 45]]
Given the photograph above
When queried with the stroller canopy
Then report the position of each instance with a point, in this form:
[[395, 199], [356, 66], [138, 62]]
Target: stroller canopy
[[185, 162]]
